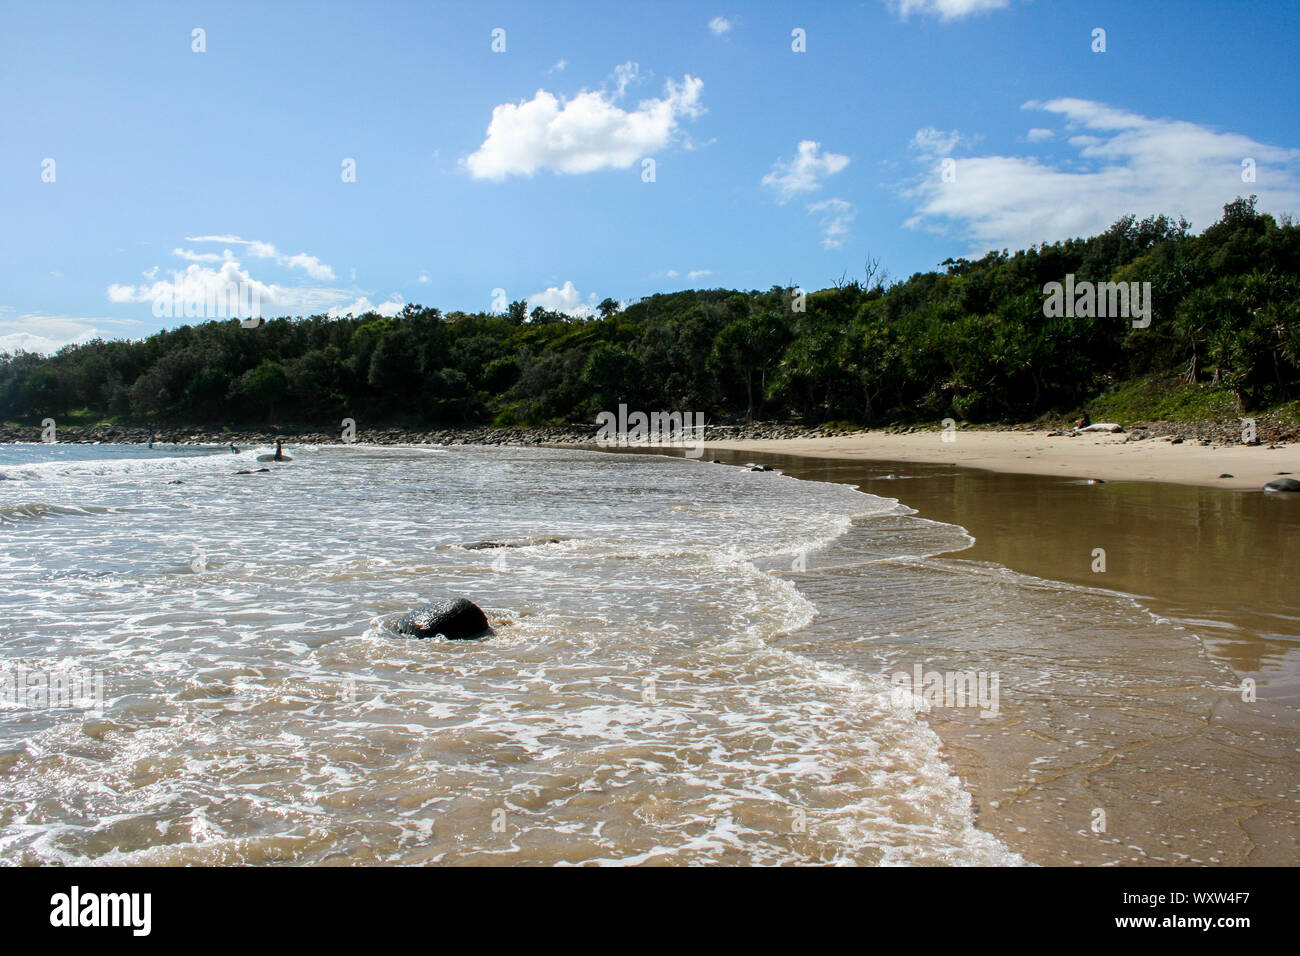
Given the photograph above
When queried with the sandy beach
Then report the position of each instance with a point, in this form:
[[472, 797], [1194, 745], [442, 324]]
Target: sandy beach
[[1143, 719], [1091, 455]]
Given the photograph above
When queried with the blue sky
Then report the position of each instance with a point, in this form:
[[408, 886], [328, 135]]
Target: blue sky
[[523, 170]]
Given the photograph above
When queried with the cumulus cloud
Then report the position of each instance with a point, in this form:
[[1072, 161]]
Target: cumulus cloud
[[805, 173], [625, 74], [564, 299], [836, 217], [1126, 164], [699, 273], [203, 284], [363, 305], [310, 265], [720, 26], [583, 134], [218, 285], [935, 142], [1039, 135], [33, 332], [258, 250], [946, 9]]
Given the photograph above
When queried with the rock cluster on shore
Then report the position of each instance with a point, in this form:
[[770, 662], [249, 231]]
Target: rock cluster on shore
[[1268, 431]]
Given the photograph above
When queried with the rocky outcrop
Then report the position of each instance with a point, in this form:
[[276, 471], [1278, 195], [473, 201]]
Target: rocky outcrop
[[1283, 484], [456, 619], [1270, 429], [489, 545]]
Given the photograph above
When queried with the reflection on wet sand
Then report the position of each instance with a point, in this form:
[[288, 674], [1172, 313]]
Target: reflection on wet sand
[[1124, 735]]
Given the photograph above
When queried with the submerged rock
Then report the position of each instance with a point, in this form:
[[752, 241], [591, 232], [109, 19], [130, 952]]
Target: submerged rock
[[487, 545], [1283, 484], [456, 619]]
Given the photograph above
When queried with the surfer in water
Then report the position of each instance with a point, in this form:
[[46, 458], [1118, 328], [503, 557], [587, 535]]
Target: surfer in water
[[279, 450], [151, 438], [233, 449]]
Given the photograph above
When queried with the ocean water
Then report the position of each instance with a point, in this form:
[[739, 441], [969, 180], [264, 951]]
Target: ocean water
[[696, 671]]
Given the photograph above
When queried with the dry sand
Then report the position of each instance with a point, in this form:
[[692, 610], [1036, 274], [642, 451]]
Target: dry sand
[[1094, 455]]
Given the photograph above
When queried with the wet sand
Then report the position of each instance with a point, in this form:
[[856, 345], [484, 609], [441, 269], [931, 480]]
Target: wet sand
[[1086, 455], [1145, 752]]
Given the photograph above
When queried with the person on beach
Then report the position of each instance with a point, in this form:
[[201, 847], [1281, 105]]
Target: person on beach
[[1083, 422]]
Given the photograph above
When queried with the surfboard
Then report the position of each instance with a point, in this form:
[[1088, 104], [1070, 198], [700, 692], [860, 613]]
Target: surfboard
[[272, 457]]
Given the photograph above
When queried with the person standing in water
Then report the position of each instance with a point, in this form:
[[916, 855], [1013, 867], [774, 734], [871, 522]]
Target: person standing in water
[[279, 450]]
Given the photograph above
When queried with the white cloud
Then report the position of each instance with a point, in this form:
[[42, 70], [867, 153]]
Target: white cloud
[[363, 305], [625, 74], [720, 26], [580, 135], [806, 172], [192, 256], [946, 9], [201, 284], [207, 288], [699, 273], [258, 250], [33, 332], [424, 279], [935, 142], [558, 67], [837, 214], [1038, 134], [672, 273], [1126, 164], [310, 265], [564, 299]]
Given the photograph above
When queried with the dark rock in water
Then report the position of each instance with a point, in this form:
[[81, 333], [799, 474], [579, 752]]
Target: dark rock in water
[[753, 467], [456, 620], [248, 471], [486, 545], [1283, 484], [176, 481]]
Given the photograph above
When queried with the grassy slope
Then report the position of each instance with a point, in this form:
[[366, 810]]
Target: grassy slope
[[1169, 399]]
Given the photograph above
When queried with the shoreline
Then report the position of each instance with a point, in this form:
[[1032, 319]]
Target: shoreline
[[1084, 456], [1151, 707], [1195, 454]]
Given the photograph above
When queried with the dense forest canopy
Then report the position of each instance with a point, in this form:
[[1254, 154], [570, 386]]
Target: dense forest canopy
[[971, 341]]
